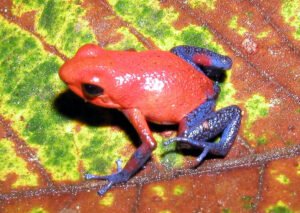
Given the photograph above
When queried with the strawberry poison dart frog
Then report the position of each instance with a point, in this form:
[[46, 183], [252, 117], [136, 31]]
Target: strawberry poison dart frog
[[157, 86]]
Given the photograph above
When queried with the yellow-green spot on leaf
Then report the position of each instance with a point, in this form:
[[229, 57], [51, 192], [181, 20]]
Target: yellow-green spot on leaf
[[157, 23], [226, 210], [262, 140], [11, 163], [61, 24], [298, 167], [257, 107], [167, 155], [129, 41], [178, 190], [107, 200], [263, 34], [205, 4], [159, 191], [165, 211], [290, 10], [248, 202], [233, 24], [283, 179], [279, 207], [38, 210]]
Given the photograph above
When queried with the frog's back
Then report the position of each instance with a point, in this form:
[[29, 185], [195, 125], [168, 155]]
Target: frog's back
[[163, 86]]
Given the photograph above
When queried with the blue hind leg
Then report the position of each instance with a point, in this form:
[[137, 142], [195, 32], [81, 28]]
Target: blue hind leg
[[200, 57], [203, 124]]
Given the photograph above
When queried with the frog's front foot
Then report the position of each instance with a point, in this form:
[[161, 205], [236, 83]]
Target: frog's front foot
[[120, 176]]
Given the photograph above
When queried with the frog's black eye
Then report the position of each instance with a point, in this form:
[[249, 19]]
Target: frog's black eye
[[91, 90]]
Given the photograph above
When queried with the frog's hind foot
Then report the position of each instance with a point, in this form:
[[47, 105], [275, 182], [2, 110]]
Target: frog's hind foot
[[204, 124]]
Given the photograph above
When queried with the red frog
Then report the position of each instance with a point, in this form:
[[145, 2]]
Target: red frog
[[158, 86]]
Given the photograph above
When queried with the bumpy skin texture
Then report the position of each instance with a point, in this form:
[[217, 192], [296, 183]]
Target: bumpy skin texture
[[158, 86]]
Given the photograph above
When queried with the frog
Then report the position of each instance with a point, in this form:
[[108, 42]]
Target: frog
[[156, 86]]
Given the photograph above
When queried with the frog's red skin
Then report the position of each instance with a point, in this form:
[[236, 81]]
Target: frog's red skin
[[157, 86], [162, 86]]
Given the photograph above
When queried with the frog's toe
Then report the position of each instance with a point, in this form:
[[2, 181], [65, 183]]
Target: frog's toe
[[176, 139], [206, 146], [119, 164], [195, 143], [203, 155], [168, 142], [94, 177], [112, 179], [105, 188]]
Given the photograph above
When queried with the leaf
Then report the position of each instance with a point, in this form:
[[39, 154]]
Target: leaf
[[49, 137]]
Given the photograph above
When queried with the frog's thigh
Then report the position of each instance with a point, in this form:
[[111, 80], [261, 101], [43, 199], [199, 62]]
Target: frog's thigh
[[196, 117], [209, 124]]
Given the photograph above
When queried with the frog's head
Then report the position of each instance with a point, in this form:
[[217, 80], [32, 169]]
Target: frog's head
[[87, 76]]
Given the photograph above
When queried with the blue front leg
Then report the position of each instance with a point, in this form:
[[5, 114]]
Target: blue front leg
[[203, 124], [137, 160]]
